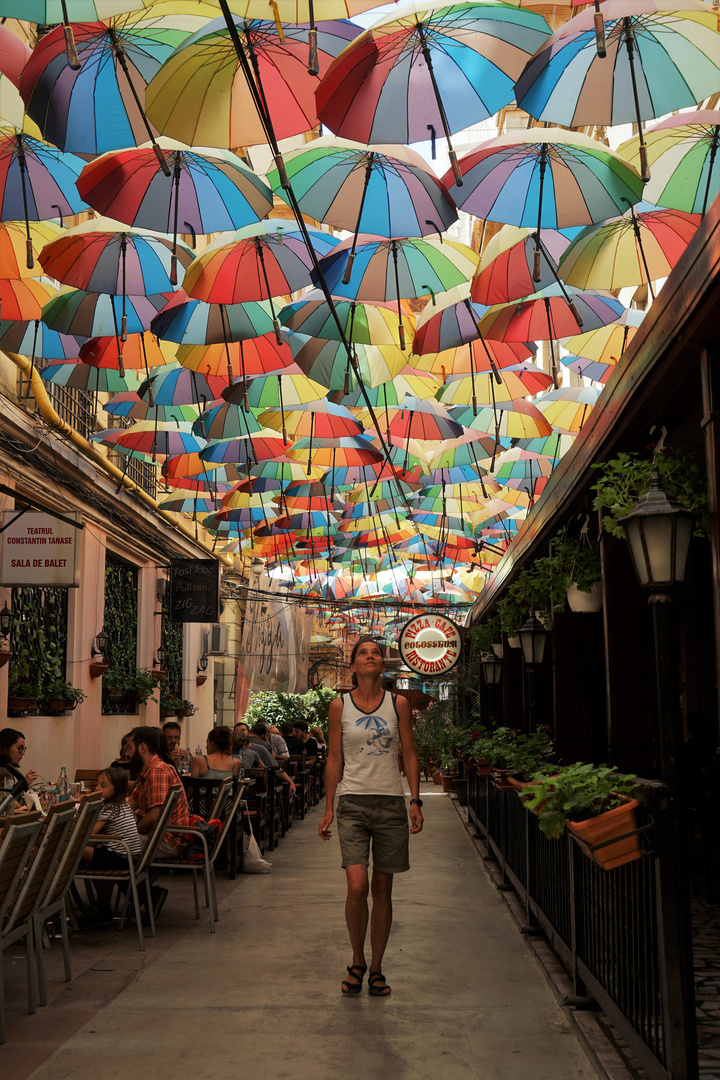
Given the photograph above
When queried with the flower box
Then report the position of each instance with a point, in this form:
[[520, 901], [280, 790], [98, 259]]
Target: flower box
[[610, 839], [21, 704]]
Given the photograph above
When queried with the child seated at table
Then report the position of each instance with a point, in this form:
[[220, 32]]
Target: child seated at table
[[116, 819]]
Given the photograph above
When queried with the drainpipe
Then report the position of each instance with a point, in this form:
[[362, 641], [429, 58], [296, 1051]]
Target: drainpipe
[[58, 424]]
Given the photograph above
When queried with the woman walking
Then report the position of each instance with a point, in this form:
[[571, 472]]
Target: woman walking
[[365, 730]]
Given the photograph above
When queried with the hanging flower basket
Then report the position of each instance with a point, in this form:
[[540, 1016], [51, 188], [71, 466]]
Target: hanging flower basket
[[164, 713], [96, 670], [585, 601], [200, 678], [610, 839]]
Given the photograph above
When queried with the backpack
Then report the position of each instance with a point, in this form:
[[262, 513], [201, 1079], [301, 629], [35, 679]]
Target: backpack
[[210, 831]]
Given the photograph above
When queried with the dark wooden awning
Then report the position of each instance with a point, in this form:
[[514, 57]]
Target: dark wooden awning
[[656, 380]]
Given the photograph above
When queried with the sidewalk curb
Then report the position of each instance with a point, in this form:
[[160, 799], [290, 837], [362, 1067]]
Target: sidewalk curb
[[592, 1028]]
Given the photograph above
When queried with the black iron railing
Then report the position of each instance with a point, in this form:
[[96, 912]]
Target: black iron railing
[[610, 928]]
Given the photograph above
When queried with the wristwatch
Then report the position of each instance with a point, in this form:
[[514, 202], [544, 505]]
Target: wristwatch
[[418, 801]]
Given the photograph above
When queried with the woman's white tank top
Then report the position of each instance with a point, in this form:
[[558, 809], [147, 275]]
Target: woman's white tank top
[[370, 746]]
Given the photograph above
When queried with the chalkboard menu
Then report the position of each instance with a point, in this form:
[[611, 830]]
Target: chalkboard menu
[[194, 590]]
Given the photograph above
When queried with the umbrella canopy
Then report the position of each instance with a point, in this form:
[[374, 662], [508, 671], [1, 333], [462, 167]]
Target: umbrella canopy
[[661, 55], [421, 419], [192, 322], [521, 381], [150, 438], [74, 311], [508, 264], [518, 419], [108, 260], [18, 255], [682, 154], [635, 249], [606, 344], [256, 263], [98, 105], [129, 404], [366, 323], [332, 453], [200, 95], [589, 369], [238, 359], [285, 389], [205, 192], [314, 420], [327, 362], [33, 338], [478, 355], [426, 66], [384, 190], [409, 381], [79, 376], [137, 351], [399, 268], [172, 384], [545, 177], [23, 298], [36, 181], [548, 315], [567, 409], [449, 324]]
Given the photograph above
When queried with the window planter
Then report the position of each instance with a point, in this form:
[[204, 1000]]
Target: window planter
[[21, 704], [610, 839], [502, 780], [61, 704]]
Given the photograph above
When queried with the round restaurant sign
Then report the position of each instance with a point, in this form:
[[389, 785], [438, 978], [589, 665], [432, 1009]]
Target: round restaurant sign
[[430, 644]]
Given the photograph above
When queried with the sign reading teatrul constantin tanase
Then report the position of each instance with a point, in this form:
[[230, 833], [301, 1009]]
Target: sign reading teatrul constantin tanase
[[194, 590], [40, 549], [430, 644]]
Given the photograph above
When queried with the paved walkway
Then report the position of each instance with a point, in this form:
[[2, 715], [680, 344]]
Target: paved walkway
[[468, 1001]]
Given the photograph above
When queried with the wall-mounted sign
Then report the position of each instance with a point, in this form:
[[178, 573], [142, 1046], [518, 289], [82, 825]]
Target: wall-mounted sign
[[40, 549], [430, 644], [194, 590]]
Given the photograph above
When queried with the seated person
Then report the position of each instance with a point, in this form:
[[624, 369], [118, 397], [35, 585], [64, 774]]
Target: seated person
[[218, 762], [277, 743], [180, 755], [12, 751], [310, 746], [244, 750], [295, 745], [115, 818], [317, 734], [257, 742], [153, 783]]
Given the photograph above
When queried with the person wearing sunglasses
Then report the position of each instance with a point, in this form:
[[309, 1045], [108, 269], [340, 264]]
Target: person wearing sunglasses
[[12, 751]]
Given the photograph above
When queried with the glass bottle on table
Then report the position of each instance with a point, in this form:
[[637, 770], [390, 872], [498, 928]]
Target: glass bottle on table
[[63, 787]]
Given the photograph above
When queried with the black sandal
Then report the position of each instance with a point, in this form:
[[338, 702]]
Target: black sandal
[[374, 978], [351, 989]]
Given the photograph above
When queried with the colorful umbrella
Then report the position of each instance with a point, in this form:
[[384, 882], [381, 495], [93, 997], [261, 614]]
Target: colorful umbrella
[[364, 323], [567, 409], [509, 264], [314, 420], [518, 419], [200, 95], [606, 344], [36, 182], [18, 253], [204, 193], [238, 359], [449, 324], [682, 154], [98, 106], [476, 356], [331, 453], [81, 376], [589, 369], [662, 55], [327, 362], [128, 404], [383, 190], [549, 315], [74, 311], [23, 298], [137, 351], [545, 177], [192, 322], [48, 12], [428, 66], [424, 419], [151, 438], [635, 249], [172, 384], [32, 338], [516, 382]]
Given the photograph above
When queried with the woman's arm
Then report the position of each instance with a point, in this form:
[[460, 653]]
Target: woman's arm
[[333, 765], [410, 761]]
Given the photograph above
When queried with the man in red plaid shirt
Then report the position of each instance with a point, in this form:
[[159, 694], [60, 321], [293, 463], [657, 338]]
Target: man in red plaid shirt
[[151, 789]]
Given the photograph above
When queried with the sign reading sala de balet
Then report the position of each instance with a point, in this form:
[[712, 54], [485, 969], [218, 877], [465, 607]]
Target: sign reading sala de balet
[[430, 644], [194, 590], [39, 549]]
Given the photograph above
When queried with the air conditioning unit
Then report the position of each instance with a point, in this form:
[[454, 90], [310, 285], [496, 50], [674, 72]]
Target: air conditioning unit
[[218, 639]]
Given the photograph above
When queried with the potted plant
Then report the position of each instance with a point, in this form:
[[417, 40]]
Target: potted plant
[[116, 682], [61, 696], [23, 686], [528, 756], [485, 635], [594, 803], [173, 705], [573, 569], [144, 682], [625, 478]]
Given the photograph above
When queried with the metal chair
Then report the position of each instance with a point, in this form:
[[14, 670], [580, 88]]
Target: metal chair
[[16, 845], [207, 861], [137, 873], [52, 905]]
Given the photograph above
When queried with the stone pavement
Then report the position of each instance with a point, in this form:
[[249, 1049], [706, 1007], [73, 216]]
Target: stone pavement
[[262, 995]]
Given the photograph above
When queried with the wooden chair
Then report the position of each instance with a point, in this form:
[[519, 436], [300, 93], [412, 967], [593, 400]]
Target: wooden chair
[[206, 798], [16, 846], [208, 859], [52, 906], [90, 775], [301, 783], [137, 873]]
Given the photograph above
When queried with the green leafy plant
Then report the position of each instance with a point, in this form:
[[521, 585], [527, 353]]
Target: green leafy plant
[[174, 703], [625, 478], [141, 682], [316, 706], [579, 791], [63, 691], [485, 635], [528, 755]]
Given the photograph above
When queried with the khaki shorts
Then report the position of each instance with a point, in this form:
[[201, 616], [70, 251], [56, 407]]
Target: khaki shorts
[[380, 818]]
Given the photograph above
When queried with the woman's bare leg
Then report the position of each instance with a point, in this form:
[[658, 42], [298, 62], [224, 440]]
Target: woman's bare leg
[[356, 914]]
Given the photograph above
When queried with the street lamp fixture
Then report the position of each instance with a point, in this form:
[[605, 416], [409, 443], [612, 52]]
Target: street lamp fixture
[[161, 657], [203, 662], [658, 533], [257, 567], [102, 643], [493, 668], [6, 621], [533, 636]]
